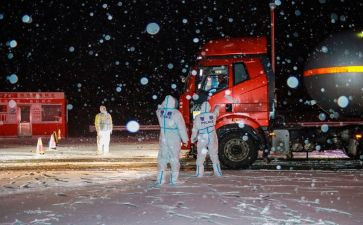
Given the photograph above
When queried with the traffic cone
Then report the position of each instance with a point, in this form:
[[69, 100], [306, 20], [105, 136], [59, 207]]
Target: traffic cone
[[40, 149], [55, 138], [52, 144], [59, 134]]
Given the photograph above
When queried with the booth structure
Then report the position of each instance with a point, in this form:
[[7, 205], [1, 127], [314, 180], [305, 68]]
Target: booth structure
[[32, 114]]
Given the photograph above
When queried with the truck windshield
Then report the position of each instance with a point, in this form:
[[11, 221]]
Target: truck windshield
[[212, 78]]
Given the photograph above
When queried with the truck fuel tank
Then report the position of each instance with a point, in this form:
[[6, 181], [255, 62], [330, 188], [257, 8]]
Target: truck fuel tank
[[333, 74]]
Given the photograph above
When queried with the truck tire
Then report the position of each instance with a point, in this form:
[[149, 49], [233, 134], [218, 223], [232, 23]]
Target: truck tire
[[237, 150]]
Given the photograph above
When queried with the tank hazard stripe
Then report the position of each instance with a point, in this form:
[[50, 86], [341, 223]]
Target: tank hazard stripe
[[333, 70]]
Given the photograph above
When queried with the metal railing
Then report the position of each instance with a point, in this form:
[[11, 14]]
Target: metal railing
[[123, 128]]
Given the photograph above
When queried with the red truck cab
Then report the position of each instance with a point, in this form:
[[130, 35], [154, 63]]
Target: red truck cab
[[235, 74]]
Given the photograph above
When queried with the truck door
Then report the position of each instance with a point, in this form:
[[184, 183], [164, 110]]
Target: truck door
[[212, 82], [250, 90], [24, 123]]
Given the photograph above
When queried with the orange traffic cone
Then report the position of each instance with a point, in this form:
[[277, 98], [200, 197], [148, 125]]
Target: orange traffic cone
[[55, 138], [52, 144], [59, 134], [40, 149]]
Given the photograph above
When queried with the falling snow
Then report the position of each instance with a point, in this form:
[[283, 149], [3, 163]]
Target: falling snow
[[128, 55], [106, 44]]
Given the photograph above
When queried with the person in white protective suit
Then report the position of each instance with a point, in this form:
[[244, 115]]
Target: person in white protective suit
[[204, 132], [103, 124], [172, 132]]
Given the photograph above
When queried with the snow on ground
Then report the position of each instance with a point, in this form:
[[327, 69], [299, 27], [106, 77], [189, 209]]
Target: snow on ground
[[12, 182], [128, 196], [120, 147], [239, 197], [76, 148]]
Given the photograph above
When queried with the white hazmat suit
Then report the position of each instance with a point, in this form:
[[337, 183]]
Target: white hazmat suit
[[172, 131], [204, 132], [103, 124]]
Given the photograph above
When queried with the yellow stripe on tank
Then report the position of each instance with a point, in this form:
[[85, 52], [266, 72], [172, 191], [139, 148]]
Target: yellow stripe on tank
[[333, 70]]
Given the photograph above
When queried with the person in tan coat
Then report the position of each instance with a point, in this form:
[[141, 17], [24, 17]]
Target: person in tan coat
[[103, 124]]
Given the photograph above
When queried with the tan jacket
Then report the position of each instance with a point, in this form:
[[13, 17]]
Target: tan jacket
[[103, 122]]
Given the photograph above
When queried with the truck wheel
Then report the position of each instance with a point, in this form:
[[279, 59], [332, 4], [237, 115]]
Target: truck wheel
[[237, 150]]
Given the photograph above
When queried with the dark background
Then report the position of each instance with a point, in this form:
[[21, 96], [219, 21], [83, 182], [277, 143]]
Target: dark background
[[91, 73]]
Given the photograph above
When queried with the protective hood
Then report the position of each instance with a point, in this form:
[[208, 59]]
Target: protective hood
[[205, 107], [169, 102]]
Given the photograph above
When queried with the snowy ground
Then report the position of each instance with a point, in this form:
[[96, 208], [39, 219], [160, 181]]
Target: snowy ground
[[128, 197], [138, 151], [79, 153], [290, 192], [147, 146], [13, 182], [77, 148]]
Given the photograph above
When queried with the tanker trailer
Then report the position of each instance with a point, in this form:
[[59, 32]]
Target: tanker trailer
[[238, 75], [333, 77]]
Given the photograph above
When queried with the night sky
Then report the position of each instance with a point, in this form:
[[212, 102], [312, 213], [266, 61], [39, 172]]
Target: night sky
[[97, 52]]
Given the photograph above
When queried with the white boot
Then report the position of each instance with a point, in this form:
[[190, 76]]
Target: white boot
[[217, 170], [100, 150], [174, 178], [199, 172], [106, 149], [160, 178]]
